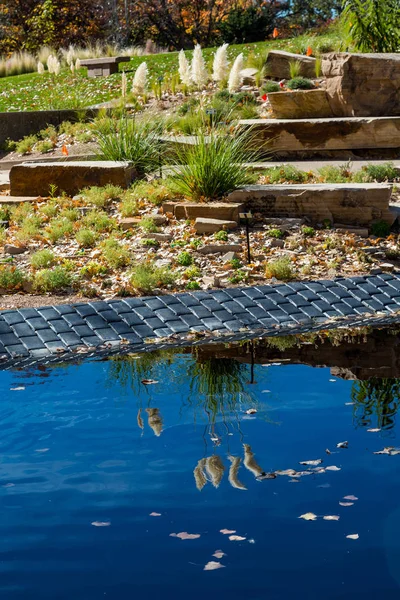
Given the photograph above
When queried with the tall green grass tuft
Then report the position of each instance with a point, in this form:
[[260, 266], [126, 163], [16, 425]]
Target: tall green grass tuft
[[213, 166], [130, 140]]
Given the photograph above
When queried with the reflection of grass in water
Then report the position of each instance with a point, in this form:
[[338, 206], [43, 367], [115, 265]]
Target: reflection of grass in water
[[376, 396], [218, 384]]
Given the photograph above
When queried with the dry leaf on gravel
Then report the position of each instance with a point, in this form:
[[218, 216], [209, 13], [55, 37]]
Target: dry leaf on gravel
[[308, 516], [213, 565]]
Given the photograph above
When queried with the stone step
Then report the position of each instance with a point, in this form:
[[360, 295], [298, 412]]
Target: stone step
[[305, 136], [18, 199], [70, 177], [213, 225], [227, 211], [347, 203]]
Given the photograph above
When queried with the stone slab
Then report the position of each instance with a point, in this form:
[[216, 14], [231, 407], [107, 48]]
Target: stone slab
[[69, 177], [128, 323], [300, 104], [304, 135], [362, 84], [350, 204], [213, 225], [18, 199], [212, 210], [278, 64]]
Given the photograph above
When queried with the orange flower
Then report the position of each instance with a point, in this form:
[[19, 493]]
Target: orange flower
[[309, 51], [275, 33], [64, 150]]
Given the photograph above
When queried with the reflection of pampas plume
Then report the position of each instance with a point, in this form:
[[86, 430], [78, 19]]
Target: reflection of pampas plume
[[233, 473], [139, 419], [215, 469], [250, 462], [154, 420], [199, 475]]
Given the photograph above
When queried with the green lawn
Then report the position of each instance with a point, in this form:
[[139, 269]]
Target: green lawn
[[41, 92]]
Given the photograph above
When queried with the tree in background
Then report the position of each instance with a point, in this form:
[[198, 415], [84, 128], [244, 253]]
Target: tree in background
[[373, 25]]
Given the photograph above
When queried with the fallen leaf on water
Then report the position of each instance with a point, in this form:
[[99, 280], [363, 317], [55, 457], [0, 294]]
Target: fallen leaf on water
[[349, 403], [252, 541], [328, 451], [342, 445], [331, 518], [101, 523], [308, 516], [312, 463], [17, 389], [219, 554], [324, 485], [390, 450], [154, 514], [374, 430], [227, 531], [346, 503], [332, 380], [149, 381], [351, 497], [42, 450], [353, 536], [236, 538], [212, 565], [288, 472], [251, 411], [8, 485], [184, 535], [332, 468]]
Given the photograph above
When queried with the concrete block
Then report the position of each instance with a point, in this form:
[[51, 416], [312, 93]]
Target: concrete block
[[69, 177]]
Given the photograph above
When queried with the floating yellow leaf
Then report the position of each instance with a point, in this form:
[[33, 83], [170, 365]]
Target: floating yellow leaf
[[308, 516]]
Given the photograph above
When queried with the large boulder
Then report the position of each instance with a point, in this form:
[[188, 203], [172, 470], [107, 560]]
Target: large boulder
[[362, 85], [278, 64], [300, 104]]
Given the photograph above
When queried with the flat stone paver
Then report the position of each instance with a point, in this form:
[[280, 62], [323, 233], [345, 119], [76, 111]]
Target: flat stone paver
[[31, 333]]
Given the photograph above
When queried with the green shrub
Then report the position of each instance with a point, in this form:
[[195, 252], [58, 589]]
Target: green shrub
[[128, 207], [334, 174], [86, 238], [3, 235], [221, 236], [50, 209], [57, 229], [271, 86], [300, 83], [149, 243], [52, 280], [281, 269], [209, 169], [42, 259], [29, 228], [130, 140], [20, 212], [294, 69], [193, 285], [25, 146], [99, 221], [381, 173], [147, 277], [184, 259], [93, 269], [275, 233], [285, 174], [380, 229], [307, 231], [192, 272], [102, 196], [115, 255], [70, 214], [155, 191], [236, 263], [11, 278], [44, 146], [148, 225]]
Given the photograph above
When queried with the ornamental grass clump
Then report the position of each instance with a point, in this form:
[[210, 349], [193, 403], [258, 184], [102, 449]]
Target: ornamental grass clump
[[281, 269], [214, 166], [52, 280], [140, 80], [42, 259], [184, 69], [221, 64], [130, 140], [199, 71], [235, 76], [147, 277]]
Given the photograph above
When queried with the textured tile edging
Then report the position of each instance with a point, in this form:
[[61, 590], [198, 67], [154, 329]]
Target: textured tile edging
[[60, 333]]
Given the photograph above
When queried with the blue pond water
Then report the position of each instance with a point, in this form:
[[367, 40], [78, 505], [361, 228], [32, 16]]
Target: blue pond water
[[82, 470]]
